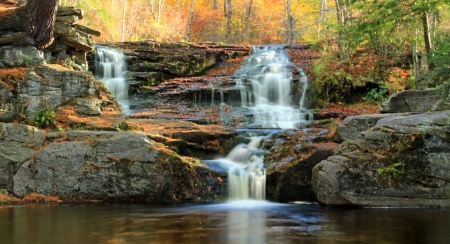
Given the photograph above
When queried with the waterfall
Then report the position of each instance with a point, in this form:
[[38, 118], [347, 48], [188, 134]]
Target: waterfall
[[265, 84], [111, 69], [246, 173]]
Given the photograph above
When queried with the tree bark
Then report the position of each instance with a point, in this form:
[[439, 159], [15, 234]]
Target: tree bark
[[426, 32], [41, 19], [247, 20], [289, 24], [123, 19], [191, 16], [229, 13]]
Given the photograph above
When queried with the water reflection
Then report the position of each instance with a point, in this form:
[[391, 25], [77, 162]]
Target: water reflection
[[233, 222]]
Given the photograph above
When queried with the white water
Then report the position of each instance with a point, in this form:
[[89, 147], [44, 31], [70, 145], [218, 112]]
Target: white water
[[111, 68], [264, 86], [269, 74], [246, 173]]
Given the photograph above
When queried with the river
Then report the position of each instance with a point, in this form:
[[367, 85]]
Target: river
[[234, 222]]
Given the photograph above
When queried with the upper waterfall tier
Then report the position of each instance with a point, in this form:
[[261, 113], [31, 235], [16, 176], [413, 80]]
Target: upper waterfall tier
[[111, 68], [265, 84]]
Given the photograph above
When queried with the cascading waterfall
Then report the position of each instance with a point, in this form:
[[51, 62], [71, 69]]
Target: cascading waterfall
[[111, 68], [269, 75], [264, 85], [246, 173]]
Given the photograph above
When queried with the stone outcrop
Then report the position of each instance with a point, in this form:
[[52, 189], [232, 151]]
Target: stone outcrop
[[291, 157], [403, 161], [414, 101], [176, 59], [351, 127], [69, 46], [26, 91], [103, 165]]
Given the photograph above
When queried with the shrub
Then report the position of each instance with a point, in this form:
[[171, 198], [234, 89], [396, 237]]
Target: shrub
[[45, 118]]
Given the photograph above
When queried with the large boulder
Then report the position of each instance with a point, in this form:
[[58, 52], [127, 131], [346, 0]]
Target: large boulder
[[414, 101], [78, 165], [403, 161]]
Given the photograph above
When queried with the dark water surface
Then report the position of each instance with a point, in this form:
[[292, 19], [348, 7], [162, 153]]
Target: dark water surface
[[240, 222]]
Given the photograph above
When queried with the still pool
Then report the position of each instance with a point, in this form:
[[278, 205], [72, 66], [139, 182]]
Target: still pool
[[234, 222]]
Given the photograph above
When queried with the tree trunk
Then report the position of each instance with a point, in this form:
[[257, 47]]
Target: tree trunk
[[322, 18], [214, 6], [228, 16], [123, 19], [191, 16], [247, 20], [343, 15], [41, 19], [426, 32], [289, 24], [160, 7]]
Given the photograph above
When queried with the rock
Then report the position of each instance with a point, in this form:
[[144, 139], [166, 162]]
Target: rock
[[113, 166], [352, 126], [17, 145], [87, 30], [290, 161], [21, 56], [4, 192], [34, 89], [414, 101], [74, 37], [69, 11], [88, 106], [176, 59], [70, 19], [400, 162]]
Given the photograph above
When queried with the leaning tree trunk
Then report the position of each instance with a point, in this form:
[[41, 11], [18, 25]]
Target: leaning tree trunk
[[41, 19], [32, 24]]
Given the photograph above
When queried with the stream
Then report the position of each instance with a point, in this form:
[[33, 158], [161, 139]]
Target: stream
[[233, 222], [264, 88]]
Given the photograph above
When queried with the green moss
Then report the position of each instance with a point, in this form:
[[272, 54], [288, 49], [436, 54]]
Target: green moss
[[392, 170]]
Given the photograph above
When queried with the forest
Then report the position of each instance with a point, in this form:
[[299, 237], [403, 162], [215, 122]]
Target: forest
[[378, 46]]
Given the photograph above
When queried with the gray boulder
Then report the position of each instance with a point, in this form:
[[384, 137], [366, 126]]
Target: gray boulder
[[414, 101], [114, 166], [403, 161], [11, 56]]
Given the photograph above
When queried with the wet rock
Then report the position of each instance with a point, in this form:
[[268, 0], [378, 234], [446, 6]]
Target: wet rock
[[401, 162], [291, 157]]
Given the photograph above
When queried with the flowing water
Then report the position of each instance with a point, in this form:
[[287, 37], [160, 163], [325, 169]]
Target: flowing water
[[233, 223], [111, 68], [264, 85]]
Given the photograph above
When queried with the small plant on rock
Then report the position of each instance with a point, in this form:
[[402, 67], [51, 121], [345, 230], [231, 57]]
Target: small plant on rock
[[394, 170], [45, 118]]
